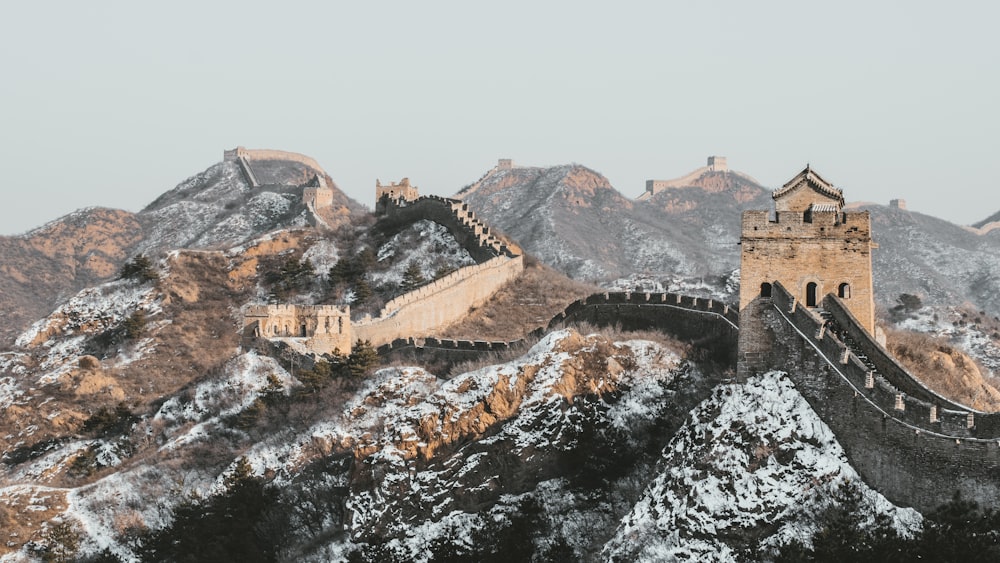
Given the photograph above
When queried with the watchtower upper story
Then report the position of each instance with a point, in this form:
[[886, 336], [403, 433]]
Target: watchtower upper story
[[812, 246]]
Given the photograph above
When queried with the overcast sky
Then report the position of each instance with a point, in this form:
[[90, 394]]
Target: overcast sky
[[112, 103]]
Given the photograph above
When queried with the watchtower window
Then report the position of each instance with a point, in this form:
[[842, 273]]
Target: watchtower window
[[302, 330], [765, 289], [811, 294], [844, 291]]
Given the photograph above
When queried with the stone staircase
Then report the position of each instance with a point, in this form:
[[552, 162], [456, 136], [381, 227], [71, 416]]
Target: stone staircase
[[831, 325]]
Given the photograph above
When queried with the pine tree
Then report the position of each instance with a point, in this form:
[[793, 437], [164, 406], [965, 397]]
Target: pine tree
[[135, 325], [362, 292], [139, 268], [363, 358], [412, 277]]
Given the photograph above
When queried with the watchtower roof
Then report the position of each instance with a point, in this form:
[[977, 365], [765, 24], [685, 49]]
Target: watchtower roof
[[824, 207], [811, 179]]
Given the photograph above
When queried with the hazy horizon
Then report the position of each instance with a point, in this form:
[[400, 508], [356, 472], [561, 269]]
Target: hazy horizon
[[115, 103]]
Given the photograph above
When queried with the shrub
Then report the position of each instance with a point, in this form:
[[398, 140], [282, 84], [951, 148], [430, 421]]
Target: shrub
[[362, 359], [139, 268], [109, 421]]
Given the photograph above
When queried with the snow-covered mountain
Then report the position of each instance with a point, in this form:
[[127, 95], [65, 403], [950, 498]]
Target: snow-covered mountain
[[574, 220], [582, 449], [688, 236], [137, 424], [213, 209]]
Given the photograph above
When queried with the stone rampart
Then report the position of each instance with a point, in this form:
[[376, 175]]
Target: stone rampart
[[703, 322], [708, 324], [439, 303], [915, 451], [244, 157], [268, 154], [885, 364], [474, 235], [248, 172]]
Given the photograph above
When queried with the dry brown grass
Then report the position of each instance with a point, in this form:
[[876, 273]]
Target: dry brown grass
[[524, 304], [944, 368]]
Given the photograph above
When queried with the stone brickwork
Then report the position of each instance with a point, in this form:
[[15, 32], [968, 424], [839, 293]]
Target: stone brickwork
[[395, 193], [474, 235], [714, 164], [718, 164], [269, 154], [320, 328], [417, 313], [317, 195], [912, 445], [440, 303], [707, 324], [811, 246]]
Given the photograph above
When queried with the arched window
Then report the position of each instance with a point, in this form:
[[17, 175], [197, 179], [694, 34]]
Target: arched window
[[765, 289], [811, 294], [844, 291], [302, 330]]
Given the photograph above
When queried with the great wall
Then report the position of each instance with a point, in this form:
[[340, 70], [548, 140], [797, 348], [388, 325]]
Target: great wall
[[417, 313], [911, 444]]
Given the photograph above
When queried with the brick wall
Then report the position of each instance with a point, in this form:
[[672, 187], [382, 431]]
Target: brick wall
[[889, 435]]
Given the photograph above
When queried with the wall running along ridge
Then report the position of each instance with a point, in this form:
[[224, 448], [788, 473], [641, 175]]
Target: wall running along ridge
[[704, 323], [912, 445], [439, 303], [422, 311], [268, 154]]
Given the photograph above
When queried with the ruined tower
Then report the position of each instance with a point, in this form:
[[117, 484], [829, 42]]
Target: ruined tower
[[394, 192], [811, 247]]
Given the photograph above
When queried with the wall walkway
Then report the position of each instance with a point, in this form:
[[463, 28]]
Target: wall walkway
[[709, 325], [912, 445]]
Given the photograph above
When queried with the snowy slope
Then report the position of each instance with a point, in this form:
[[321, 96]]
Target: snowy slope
[[754, 456]]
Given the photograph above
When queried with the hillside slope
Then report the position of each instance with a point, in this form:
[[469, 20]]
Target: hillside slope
[[686, 237], [213, 209], [575, 221], [51, 263]]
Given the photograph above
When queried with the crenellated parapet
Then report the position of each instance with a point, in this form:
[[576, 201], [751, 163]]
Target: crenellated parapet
[[320, 328], [440, 303], [811, 245], [915, 446], [270, 154], [474, 235]]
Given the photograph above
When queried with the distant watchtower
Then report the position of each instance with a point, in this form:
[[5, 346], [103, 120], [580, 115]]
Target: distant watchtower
[[811, 247], [394, 192]]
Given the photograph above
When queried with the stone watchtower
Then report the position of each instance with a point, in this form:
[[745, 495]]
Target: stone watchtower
[[394, 192], [812, 247]]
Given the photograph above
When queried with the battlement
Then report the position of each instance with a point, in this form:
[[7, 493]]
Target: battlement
[[812, 246], [477, 237], [916, 447], [321, 328], [402, 191], [717, 164], [815, 222], [270, 154]]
